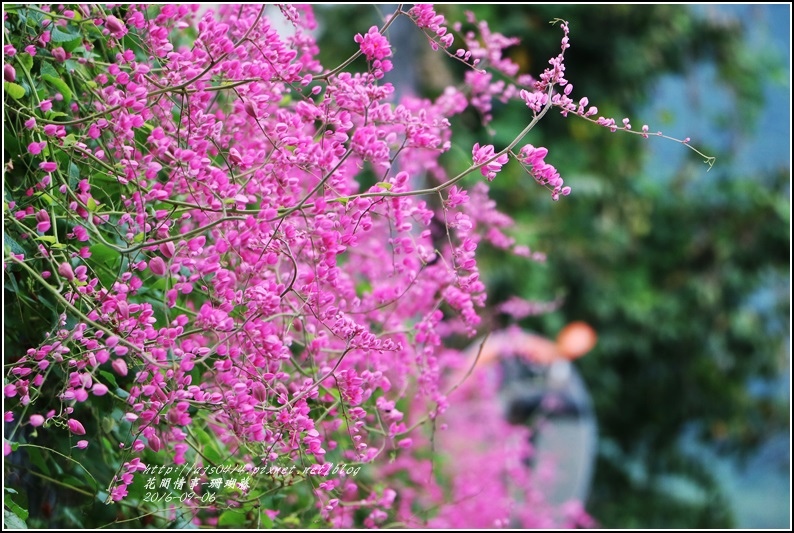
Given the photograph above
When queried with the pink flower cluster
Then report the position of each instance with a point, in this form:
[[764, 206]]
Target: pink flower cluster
[[544, 174], [373, 44], [258, 293], [485, 156], [375, 48], [425, 17]]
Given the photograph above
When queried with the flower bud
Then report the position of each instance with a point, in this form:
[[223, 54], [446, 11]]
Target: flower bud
[[115, 26], [75, 427], [9, 73], [65, 270], [157, 266]]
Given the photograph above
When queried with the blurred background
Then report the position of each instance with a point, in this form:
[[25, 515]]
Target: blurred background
[[684, 273]]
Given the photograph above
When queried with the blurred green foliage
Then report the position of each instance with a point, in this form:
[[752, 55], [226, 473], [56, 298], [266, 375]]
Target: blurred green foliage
[[685, 279]]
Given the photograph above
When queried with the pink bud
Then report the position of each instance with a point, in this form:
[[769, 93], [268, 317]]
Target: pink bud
[[80, 395], [234, 156], [82, 444], [196, 244], [259, 392], [48, 166], [99, 389], [9, 73], [43, 219], [249, 109], [75, 427], [65, 270], [157, 266], [167, 249], [59, 54], [36, 420], [120, 366], [35, 148], [116, 27]]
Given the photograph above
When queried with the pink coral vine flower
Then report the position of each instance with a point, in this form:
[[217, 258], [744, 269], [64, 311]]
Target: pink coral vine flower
[[482, 154], [240, 279], [373, 44], [116, 27], [75, 427]]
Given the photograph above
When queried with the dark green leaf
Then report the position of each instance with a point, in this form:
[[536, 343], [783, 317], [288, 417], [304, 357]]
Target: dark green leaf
[[37, 459], [60, 35], [60, 86], [74, 175], [11, 245], [110, 378]]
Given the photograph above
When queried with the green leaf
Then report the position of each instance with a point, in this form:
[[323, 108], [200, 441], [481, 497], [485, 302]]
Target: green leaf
[[37, 459], [17, 510], [25, 61], [264, 521], [108, 424], [10, 244], [110, 378], [14, 90], [70, 65], [209, 444], [292, 520], [231, 518], [51, 76], [33, 19], [74, 481], [46, 197], [11, 520], [48, 70], [69, 140], [73, 517], [105, 262], [60, 35], [74, 175]]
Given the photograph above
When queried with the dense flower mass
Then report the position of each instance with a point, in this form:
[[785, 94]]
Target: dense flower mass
[[186, 199]]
